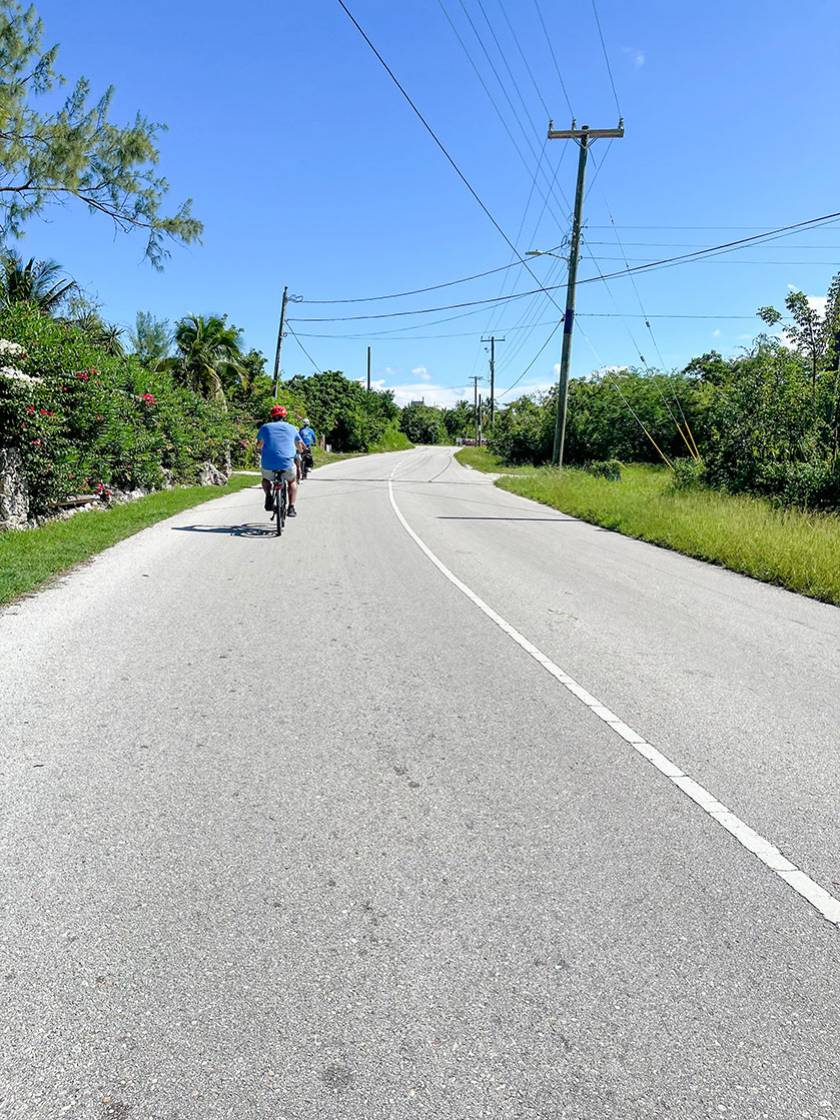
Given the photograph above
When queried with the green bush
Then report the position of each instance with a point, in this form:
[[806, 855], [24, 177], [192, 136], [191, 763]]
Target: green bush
[[524, 431], [85, 421], [688, 474], [610, 469], [422, 423]]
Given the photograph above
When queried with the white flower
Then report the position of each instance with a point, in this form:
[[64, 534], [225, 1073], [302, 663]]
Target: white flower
[[18, 375], [10, 349]]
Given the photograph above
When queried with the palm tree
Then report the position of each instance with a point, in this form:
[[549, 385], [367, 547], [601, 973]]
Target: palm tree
[[209, 353], [106, 336], [38, 282]]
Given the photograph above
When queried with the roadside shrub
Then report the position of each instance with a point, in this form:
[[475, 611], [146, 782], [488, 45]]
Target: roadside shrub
[[609, 469], [687, 475], [86, 421], [523, 432], [809, 485]]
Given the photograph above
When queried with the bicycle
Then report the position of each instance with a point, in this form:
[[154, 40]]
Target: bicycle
[[306, 464], [280, 491]]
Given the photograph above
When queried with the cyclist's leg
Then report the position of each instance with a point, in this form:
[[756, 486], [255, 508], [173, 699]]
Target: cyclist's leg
[[267, 491]]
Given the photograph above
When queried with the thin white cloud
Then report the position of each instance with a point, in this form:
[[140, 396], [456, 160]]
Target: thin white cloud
[[636, 55], [422, 373], [442, 396], [716, 333]]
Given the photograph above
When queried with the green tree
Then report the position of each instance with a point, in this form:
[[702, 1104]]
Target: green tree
[[423, 423], [350, 417], [49, 155], [807, 333], [459, 421], [40, 283], [209, 351], [151, 339]]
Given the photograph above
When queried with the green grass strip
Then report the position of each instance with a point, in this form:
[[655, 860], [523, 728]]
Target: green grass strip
[[480, 459], [787, 547], [30, 557]]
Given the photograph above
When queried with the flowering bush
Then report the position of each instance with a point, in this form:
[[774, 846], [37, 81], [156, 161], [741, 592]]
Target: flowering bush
[[76, 413]]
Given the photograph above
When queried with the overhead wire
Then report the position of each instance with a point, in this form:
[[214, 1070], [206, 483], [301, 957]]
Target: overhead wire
[[435, 137], [665, 262], [486, 89], [606, 55], [420, 291], [523, 56], [554, 57], [523, 327], [293, 333]]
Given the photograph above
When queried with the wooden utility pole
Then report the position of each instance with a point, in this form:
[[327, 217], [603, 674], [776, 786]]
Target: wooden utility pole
[[475, 380], [368, 370], [280, 341], [492, 340], [584, 137]]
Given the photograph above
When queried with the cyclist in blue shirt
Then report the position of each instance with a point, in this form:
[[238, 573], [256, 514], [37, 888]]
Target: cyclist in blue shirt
[[308, 437], [279, 443]]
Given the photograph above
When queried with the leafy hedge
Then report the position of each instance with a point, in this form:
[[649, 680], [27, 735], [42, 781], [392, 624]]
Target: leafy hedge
[[85, 421]]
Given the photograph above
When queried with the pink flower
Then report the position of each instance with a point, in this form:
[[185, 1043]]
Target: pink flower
[[83, 375]]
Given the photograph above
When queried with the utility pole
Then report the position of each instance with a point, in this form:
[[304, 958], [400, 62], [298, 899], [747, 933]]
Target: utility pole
[[479, 419], [584, 137], [475, 380], [492, 340], [368, 370], [280, 341]]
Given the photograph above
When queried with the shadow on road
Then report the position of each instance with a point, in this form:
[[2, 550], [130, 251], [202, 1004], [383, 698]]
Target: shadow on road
[[228, 530]]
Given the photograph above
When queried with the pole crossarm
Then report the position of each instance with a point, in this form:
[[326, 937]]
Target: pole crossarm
[[578, 133]]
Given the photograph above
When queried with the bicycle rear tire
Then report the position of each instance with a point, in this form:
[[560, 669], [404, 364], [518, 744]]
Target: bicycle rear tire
[[279, 507]]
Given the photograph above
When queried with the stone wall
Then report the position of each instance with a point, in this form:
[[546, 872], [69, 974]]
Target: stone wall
[[14, 494]]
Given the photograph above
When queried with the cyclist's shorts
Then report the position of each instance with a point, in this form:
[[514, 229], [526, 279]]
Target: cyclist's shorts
[[290, 474]]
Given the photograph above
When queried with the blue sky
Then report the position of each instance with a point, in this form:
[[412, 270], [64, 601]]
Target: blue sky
[[309, 169]]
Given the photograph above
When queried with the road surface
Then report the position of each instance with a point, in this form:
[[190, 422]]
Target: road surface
[[297, 829]]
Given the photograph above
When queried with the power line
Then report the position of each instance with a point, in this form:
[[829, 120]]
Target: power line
[[490, 96], [532, 326], [524, 57], [606, 56], [503, 86], [303, 348], [665, 262], [436, 138], [420, 291], [424, 310], [533, 361], [554, 57]]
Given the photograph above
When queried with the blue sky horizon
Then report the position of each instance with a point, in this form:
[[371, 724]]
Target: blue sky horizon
[[309, 169]]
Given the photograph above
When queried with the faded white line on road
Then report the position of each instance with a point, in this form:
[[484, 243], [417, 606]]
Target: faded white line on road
[[826, 904]]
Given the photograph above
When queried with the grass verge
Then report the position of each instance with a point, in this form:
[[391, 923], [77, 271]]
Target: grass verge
[[31, 557], [790, 548], [480, 459]]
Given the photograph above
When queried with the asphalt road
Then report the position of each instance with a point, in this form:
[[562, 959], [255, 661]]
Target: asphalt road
[[290, 829]]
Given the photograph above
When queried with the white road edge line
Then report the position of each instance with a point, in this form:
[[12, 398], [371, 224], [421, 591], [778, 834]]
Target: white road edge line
[[823, 902]]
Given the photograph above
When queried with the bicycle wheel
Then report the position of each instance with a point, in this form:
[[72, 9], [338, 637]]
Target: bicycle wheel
[[279, 506], [284, 492]]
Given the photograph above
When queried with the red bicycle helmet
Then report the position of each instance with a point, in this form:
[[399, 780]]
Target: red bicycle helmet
[[278, 411]]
